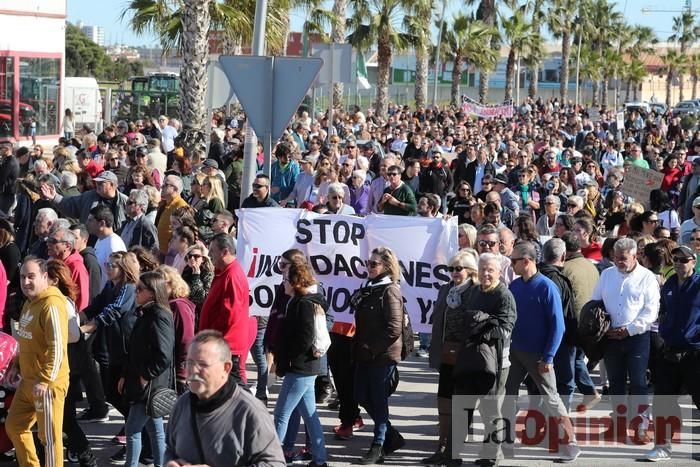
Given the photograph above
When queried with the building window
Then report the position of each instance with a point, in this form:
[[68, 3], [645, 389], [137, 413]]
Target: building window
[[6, 90], [38, 97]]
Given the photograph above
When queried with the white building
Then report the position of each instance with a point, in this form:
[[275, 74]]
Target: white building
[[95, 33], [32, 67]]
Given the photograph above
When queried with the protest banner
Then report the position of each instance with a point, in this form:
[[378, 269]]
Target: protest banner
[[472, 107], [337, 247], [639, 183]]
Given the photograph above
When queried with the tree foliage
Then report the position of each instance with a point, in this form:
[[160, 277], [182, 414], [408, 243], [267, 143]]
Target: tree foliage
[[85, 58]]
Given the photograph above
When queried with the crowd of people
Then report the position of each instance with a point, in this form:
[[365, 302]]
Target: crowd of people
[[119, 254]]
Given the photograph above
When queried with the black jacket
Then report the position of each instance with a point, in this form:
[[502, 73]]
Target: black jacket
[[594, 323], [93, 268], [294, 353], [113, 311], [567, 299], [252, 202], [434, 179], [150, 355], [144, 234]]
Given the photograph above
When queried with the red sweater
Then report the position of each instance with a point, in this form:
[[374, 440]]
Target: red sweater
[[81, 278], [226, 308]]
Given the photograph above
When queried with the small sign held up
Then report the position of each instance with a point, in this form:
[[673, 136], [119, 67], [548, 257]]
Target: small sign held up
[[639, 182]]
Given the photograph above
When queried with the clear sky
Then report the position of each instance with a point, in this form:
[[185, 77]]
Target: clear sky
[[106, 13]]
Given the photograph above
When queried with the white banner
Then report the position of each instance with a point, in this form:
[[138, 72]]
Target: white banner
[[337, 247], [472, 107]]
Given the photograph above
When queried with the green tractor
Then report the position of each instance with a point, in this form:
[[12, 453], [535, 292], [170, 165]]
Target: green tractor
[[152, 95]]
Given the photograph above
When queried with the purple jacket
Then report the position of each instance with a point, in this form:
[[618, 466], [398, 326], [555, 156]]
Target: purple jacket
[[359, 198]]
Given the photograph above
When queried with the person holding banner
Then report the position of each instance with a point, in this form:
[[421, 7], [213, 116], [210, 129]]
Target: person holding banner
[[398, 198], [378, 307]]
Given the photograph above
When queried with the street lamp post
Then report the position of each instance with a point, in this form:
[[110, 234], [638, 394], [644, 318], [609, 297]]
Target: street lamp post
[[437, 53]]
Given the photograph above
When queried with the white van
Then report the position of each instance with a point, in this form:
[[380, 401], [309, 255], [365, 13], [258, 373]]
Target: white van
[[82, 97]]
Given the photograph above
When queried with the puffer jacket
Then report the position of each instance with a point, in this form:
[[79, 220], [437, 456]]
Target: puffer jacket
[[151, 350], [114, 314], [594, 323], [294, 352], [378, 310]]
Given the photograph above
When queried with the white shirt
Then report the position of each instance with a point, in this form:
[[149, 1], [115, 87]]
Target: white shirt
[[168, 133], [105, 247], [632, 300], [478, 175]]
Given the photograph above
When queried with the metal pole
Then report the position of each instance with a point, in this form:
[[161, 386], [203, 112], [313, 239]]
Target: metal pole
[[517, 83], [250, 155], [330, 94], [437, 53]]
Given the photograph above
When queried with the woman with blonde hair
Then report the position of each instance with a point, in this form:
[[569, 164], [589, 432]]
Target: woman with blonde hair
[[466, 236], [378, 307], [184, 319], [448, 315]]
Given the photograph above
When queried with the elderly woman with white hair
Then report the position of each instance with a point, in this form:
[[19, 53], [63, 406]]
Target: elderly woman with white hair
[[335, 200], [359, 191], [448, 315], [546, 224]]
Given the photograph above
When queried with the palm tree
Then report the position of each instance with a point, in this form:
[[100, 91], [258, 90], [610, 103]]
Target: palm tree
[[634, 73], [560, 17], [418, 25], [685, 32], [338, 35], [184, 26], [674, 64], [693, 69], [591, 69], [468, 41], [518, 33], [378, 22], [534, 59], [486, 12]]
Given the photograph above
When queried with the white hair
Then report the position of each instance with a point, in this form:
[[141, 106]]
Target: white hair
[[576, 199], [47, 214], [68, 179], [362, 163], [625, 244], [336, 188], [490, 258]]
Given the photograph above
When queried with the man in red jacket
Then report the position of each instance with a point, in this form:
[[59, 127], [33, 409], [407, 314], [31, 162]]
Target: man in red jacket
[[226, 307], [61, 245]]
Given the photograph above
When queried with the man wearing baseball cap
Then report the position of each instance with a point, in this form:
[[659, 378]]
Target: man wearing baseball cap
[[679, 313], [508, 198], [105, 193]]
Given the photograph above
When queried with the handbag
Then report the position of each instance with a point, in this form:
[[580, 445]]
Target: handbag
[[160, 402], [449, 353]]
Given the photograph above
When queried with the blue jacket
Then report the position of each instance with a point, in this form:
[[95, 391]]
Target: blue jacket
[[679, 316], [283, 178], [540, 324]]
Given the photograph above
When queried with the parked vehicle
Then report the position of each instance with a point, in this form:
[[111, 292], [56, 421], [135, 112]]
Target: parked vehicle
[[686, 108], [82, 96]]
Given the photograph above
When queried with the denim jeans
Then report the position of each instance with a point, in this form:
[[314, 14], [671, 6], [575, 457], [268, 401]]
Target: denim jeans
[[424, 340], [372, 385], [297, 392], [583, 379], [564, 369], [628, 358], [258, 354], [134, 424]]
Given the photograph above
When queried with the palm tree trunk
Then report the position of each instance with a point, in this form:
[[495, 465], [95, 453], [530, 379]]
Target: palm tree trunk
[[510, 74], [669, 79], [456, 79], [564, 68], [594, 91], [534, 81], [338, 36], [604, 91], [421, 88], [383, 69], [628, 88], [484, 77], [694, 78], [680, 86], [195, 54]]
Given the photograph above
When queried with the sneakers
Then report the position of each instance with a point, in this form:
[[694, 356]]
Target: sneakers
[[345, 431], [422, 353], [302, 455], [119, 439], [375, 455], [570, 453], [87, 459], [71, 457], [89, 415], [118, 457], [641, 435], [659, 454], [591, 400]]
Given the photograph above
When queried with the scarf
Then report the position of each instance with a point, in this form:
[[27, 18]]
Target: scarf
[[215, 401], [454, 295], [524, 193]]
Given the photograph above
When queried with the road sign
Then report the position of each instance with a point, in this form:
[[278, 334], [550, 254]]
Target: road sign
[[337, 63], [219, 90], [270, 88]]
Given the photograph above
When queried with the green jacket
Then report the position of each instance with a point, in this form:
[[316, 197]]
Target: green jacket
[[405, 195]]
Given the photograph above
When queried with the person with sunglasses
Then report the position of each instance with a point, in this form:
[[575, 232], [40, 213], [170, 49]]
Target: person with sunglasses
[[679, 363], [260, 197], [447, 335], [139, 230], [398, 198], [378, 307]]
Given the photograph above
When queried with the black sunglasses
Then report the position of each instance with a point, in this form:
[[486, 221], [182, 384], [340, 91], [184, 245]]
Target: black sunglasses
[[684, 260], [456, 268]]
